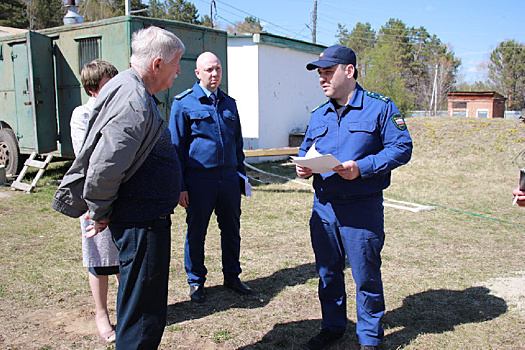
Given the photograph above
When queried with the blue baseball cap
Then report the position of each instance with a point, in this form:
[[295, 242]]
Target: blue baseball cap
[[333, 55]]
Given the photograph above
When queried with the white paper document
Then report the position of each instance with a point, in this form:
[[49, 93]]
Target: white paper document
[[246, 188], [317, 162]]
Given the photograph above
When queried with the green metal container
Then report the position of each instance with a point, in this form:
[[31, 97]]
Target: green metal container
[[40, 78]]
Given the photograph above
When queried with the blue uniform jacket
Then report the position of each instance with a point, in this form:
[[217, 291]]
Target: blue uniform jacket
[[371, 132], [206, 137]]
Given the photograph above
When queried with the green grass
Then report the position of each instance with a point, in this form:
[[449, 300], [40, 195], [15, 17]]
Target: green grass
[[437, 265]]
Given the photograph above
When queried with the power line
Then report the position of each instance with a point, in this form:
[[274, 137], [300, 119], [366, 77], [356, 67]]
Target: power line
[[251, 15], [282, 30], [323, 30]]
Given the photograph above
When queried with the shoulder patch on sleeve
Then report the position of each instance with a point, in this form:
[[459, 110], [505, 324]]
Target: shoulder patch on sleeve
[[183, 94], [321, 105], [399, 121], [378, 96]]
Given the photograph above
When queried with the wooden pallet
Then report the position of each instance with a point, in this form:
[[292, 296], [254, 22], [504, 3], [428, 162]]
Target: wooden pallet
[[31, 162]]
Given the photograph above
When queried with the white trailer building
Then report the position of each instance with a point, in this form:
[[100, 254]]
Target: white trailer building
[[275, 93]]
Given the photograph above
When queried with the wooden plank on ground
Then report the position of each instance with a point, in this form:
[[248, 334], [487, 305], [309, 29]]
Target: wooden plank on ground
[[270, 152]]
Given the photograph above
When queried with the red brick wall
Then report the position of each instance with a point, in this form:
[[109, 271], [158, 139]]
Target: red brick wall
[[494, 107]]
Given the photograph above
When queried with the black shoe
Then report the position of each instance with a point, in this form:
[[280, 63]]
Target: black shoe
[[238, 286], [197, 294], [323, 340], [369, 347]]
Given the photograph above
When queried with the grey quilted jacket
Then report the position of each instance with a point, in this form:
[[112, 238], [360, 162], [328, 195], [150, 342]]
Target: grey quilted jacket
[[124, 127]]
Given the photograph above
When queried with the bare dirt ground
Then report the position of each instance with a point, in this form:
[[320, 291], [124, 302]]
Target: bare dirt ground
[[511, 289], [455, 280], [5, 195], [60, 328]]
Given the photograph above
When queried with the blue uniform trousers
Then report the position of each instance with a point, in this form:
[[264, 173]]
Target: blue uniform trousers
[[351, 227], [144, 253], [207, 193]]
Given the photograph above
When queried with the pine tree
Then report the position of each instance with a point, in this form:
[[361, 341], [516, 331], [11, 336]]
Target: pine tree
[[507, 72], [157, 9], [361, 39], [119, 7], [207, 22], [13, 14], [401, 62], [250, 25], [94, 10], [184, 11], [389, 65], [46, 13]]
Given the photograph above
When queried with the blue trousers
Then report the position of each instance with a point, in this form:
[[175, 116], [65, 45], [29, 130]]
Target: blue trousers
[[352, 228], [144, 254], [221, 194]]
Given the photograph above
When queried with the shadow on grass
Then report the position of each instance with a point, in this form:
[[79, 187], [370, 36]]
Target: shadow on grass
[[439, 311], [221, 299], [432, 311], [294, 335]]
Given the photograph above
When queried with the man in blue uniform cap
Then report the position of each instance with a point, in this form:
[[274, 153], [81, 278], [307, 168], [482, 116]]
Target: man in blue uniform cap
[[368, 134], [206, 131]]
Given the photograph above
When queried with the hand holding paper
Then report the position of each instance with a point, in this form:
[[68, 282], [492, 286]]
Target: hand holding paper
[[317, 162], [349, 170]]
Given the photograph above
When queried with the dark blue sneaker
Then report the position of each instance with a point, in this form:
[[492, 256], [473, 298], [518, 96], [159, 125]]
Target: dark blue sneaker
[[323, 340]]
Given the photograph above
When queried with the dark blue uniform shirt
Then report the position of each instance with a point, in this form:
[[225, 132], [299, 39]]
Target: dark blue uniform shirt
[[206, 137], [370, 131]]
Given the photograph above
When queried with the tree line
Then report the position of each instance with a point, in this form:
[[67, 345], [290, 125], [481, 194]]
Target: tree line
[[409, 65], [413, 67], [417, 70]]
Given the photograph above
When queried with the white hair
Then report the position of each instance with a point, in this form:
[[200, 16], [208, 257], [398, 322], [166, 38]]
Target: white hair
[[151, 43]]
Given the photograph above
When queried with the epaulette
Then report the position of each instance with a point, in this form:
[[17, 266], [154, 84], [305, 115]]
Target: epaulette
[[321, 105], [183, 94], [378, 96]]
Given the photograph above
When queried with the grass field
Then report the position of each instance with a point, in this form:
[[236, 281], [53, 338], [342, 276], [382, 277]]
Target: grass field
[[454, 277]]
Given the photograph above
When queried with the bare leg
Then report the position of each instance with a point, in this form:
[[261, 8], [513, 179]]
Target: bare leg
[[99, 288]]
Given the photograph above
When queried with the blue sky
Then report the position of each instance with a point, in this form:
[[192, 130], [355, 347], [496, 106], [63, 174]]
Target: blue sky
[[471, 28]]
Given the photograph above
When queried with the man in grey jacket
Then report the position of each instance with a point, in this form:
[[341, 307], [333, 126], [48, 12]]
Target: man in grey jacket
[[127, 176]]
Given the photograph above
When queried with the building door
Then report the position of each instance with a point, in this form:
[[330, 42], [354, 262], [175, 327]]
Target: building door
[[42, 90]]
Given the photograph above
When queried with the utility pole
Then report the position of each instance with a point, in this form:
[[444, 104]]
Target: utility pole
[[212, 5], [436, 92], [314, 20], [432, 98]]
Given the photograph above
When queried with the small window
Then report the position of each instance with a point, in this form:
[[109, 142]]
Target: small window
[[88, 50], [459, 105], [482, 113], [459, 113]]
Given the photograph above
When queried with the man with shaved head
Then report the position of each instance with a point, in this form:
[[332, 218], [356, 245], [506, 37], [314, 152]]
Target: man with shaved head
[[206, 131]]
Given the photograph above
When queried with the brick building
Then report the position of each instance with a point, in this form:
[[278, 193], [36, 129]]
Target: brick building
[[486, 104]]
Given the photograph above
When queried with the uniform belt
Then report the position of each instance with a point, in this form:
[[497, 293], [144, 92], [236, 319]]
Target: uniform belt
[[349, 197], [211, 173]]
